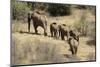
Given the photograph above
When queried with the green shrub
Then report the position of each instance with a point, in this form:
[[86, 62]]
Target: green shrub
[[19, 9], [59, 10]]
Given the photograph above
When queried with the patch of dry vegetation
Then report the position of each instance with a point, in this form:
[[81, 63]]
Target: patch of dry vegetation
[[37, 49]]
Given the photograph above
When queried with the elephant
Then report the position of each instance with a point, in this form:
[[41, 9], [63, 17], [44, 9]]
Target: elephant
[[39, 20], [54, 30], [74, 34], [63, 31], [73, 41]]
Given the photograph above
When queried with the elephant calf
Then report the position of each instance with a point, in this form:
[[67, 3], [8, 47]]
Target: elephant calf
[[73, 41], [74, 34], [73, 45], [54, 30]]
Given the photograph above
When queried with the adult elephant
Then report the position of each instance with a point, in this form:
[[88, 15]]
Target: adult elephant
[[39, 20], [63, 31], [54, 30]]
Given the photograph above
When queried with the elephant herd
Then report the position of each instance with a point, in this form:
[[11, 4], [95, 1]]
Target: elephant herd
[[57, 30]]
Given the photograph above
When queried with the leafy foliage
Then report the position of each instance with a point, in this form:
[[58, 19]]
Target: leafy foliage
[[19, 9], [59, 10]]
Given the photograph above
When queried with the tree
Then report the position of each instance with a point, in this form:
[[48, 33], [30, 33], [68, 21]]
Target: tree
[[59, 9], [19, 9]]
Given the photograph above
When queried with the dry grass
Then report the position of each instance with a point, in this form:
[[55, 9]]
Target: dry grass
[[38, 49], [35, 49]]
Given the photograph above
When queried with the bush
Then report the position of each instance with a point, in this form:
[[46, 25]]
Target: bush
[[59, 10], [19, 9], [92, 31], [85, 27]]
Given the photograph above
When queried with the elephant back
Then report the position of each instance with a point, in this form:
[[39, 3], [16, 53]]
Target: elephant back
[[64, 27], [38, 17]]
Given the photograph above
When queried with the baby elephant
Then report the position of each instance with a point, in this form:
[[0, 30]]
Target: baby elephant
[[74, 34], [73, 45], [63, 31], [73, 42], [54, 30]]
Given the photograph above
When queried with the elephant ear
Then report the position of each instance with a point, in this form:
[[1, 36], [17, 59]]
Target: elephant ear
[[33, 13], [38, 12], [64, 24]]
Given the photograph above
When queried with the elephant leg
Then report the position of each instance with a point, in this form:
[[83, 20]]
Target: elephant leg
[[45, 33], [62, 37], [35, 28], [75, 49], [44, 26], [59, 33], [55, 34], [51, 33], [72, 49], [67, 34], [28, 26], [72, 46]]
